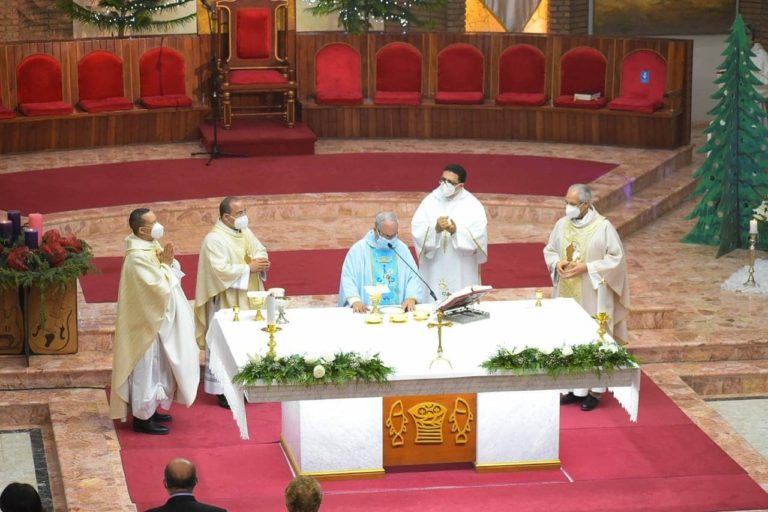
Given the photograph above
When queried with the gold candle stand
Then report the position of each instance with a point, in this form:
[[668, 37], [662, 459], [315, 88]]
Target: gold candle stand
[[271, 329], [440, 324], [235, 313], [751, 276], [539, 296], [602, 322]]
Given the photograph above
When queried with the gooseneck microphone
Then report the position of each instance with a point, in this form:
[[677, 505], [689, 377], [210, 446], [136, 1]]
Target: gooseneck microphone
[[431, 292]]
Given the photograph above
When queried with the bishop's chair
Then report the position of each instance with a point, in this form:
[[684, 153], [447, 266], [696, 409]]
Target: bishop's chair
[[256, 40]]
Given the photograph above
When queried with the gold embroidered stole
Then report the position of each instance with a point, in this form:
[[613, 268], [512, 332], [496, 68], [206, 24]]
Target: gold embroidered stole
[[579, 239]]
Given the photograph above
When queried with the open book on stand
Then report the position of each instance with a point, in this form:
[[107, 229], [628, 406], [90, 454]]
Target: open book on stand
[[457, 306]]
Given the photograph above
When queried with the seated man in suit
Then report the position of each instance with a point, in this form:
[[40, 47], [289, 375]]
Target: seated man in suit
[[180, 481]]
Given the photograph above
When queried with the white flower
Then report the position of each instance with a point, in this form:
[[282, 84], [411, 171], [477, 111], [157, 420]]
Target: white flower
[[255, 358], [310, 359], [567, 351], [329, 358], [319, 371], [609, 347], [546, 351]]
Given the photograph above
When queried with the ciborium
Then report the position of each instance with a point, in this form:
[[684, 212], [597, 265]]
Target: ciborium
[[282, 303]]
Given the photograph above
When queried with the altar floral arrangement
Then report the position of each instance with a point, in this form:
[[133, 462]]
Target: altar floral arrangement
[[761, 212], [58, 260], [597, 357], [300, 369]]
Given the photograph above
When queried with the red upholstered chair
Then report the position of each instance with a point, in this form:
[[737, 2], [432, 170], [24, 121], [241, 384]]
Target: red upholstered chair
[[162, 79], [4, 112], [643, 82], [460, 75], [100, 82], [521, 76], [38, 87], [255, 42], [398, 75], [582, 71], [337, 75]]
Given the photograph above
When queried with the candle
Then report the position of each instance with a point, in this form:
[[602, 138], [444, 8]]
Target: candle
[[6, 230], [753, 227], [30, 238], [601, 297], [35, 221], [270, 309], [15, 217]]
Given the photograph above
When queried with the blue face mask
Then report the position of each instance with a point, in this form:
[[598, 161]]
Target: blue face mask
[[382, 243]]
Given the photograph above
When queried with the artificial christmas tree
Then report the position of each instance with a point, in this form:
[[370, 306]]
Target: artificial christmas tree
[[126, 15]]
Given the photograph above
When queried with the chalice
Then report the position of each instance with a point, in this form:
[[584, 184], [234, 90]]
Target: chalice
[[256, 301], [282, 303]]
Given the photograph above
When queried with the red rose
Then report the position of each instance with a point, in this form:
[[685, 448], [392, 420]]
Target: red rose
[[17, 257], [52, 236], [55, 253], [72, 243]]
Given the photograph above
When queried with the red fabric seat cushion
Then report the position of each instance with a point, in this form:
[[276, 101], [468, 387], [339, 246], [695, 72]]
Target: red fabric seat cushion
[[459, 98], [166, 101], [38, 80], [256, 76], [254, 33], [46, 108], [397, 98], [162, 72], [337, 75], [6, 114], [567, 101], [521, 70], [635, 104], [521, 98], [398, 69], [106, 105], [100, 76]]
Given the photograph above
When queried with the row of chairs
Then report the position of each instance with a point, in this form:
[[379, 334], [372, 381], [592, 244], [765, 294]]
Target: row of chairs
[[162, 73], [460, 77]]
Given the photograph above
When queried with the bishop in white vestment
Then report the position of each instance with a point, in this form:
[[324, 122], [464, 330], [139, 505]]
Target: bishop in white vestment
[[450, 233]]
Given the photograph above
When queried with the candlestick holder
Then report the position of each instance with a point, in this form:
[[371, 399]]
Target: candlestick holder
[[440, 324], [539, 296], [602, 322], [751, 270], [271, 329], [235, 313]]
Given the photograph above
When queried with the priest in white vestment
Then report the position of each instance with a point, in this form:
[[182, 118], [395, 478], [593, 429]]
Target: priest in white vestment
[[450, 233], [155, 357], [380, 258], [232, 262], [584, 250]]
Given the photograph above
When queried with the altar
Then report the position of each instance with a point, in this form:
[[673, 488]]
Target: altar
[[511, 419]]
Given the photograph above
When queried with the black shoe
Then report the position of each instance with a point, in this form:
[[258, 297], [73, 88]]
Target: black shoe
[[570, 398], [159, 417], [223, 401], [148, 427], [589, 403]]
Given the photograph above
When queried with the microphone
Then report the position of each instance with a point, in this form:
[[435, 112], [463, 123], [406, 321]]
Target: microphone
[[431, 292]]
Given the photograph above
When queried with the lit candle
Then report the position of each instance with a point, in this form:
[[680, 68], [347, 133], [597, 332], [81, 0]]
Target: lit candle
[[6, 229], [30, 238], [753, 227], [35, 221], [15, 217], [271, 309], [601, 296]]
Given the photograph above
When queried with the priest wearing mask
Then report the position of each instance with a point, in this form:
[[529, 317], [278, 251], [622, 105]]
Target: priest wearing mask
[[584, 249], [232, 262], [380, 258], [155, 358], [450, 233]]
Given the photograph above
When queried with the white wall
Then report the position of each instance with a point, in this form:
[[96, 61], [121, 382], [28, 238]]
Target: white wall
[[706, 58]]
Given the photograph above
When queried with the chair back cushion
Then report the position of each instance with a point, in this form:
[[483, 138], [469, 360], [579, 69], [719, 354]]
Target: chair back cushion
[[337, 75], [38, 79], [398, 68], [253, 33], [521, 70], [100, 76], [644, 75], [162, 71], [582, 70], [460, 69]]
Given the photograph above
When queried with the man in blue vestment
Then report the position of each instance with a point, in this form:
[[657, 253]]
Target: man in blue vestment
[[372, 261]]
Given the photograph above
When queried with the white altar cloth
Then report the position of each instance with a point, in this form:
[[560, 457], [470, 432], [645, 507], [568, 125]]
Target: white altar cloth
[[410, 347]]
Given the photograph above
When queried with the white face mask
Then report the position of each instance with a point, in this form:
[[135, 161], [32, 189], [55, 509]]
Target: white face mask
[[572, 212], [157, 231], [241, 222], [446, 190]]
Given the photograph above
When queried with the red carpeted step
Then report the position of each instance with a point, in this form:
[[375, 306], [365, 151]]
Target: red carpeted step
[[144, 182], [317, 272], [259, 137]]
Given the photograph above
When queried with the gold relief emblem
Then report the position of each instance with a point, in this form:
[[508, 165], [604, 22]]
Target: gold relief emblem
[[460, 420], [397, 415], [429, 417]]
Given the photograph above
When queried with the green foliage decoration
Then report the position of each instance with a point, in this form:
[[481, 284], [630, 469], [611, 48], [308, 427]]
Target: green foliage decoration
[[122, 16], [355, 16]]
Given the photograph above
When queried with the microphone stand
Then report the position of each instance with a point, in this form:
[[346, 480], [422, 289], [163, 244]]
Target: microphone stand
[[431, 292], [215, 151]]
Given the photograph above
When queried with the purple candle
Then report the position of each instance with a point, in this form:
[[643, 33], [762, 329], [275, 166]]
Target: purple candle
[[15, 217], [30, 238], [6, 230]]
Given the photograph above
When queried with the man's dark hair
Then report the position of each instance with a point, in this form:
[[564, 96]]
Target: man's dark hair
[[136, 220], [303, 494], [18, 497], [180, 475], [226, 205], [458, 171]]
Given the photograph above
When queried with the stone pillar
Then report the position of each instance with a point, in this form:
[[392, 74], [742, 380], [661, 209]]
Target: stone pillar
[[568, 16], [33, 20]]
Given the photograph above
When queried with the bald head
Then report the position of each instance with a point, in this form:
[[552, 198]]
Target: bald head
[[180, 475]]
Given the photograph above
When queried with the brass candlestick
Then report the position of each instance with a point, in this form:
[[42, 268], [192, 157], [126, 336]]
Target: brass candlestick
[[271, 329], [539, 296], [440, 324], [751, 276], [235, 313], [602, 322]]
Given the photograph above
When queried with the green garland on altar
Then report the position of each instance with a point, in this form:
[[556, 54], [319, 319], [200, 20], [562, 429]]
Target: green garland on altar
[[597, 357], [298, 369]]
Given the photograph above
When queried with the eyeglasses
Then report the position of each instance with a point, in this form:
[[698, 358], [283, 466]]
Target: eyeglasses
[[446, 180]]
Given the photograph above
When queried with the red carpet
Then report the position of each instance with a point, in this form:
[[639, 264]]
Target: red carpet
[[318, 272], [258, 137], [662, 463], [93, 186]]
